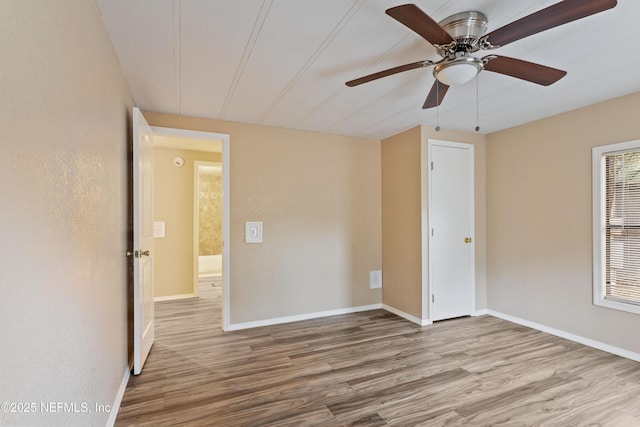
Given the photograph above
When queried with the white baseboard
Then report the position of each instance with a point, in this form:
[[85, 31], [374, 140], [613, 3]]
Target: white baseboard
[[409, 317], [480, 312], [174, 297], [569, 336], [299, 317], [118, 399]]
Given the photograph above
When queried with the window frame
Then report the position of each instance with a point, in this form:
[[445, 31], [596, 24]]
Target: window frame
[[599, 225]]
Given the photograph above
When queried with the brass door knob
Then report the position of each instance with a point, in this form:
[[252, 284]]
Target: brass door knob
[[467, 239]]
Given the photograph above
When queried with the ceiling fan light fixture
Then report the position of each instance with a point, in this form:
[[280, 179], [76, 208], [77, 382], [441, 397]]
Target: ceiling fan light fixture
[[458, 71], [459, 36]]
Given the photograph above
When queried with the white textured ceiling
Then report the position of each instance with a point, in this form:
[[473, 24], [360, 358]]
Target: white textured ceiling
[[284, 63]]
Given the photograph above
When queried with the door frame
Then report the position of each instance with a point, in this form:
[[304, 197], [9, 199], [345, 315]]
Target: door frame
[[226, 208], [427, 284]]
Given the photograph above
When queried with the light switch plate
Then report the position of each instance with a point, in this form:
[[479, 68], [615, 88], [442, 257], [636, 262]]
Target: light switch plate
[[253, 232], [159, 229]]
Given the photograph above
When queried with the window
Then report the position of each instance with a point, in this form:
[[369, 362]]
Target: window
[[616, 226]]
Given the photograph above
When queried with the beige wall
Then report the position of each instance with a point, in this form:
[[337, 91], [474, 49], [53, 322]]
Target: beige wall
[[401, 222], [63, 211], [173, 267], [319, 198], [539, 221], [404, 249]]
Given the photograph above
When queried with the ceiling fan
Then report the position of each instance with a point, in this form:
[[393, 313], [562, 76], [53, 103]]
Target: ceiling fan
[[457, 37]]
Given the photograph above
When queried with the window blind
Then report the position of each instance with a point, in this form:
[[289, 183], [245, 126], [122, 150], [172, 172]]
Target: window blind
[[622, 227]]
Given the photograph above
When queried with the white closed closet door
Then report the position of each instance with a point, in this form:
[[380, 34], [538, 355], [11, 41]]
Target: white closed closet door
[[451, 222]]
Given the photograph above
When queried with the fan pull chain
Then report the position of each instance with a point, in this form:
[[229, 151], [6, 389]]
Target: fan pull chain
[[437, 106], [477, 107]]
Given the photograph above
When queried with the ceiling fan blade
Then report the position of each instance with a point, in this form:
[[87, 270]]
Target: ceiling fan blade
[[525, 70], [390, 71], [413, 17], [555, 15], [436, 95]]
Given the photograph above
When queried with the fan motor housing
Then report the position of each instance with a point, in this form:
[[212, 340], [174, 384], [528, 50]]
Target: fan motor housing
[[466, 27]]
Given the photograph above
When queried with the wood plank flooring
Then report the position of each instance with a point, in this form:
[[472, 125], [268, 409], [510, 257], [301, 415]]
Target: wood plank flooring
[[372, 369]]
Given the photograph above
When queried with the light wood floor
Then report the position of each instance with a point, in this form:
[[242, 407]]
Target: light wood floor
[[372, 369]]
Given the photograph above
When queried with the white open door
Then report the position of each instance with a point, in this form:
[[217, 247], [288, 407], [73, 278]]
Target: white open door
[[451, 219], [143, 313]]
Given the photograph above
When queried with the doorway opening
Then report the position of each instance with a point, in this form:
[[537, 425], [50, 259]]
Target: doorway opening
[[207, 224], [200, 161]]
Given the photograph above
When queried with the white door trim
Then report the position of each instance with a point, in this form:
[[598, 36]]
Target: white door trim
[[424, 223], [428, 286], [226, 208]]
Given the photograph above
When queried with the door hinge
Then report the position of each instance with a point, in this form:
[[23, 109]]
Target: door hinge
[[433, 298], [432, 232], [431, 165]]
